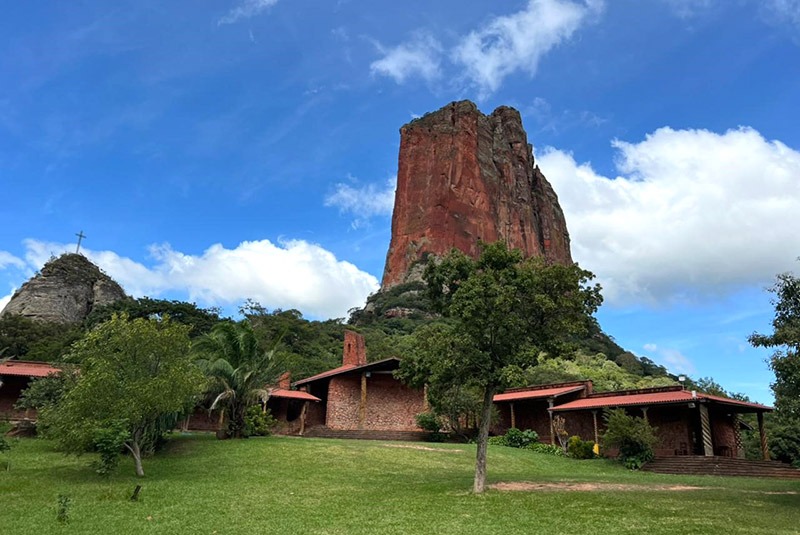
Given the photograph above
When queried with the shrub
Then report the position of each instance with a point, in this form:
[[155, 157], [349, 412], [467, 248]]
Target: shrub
[[433, 425], [577, 448], [499, 440], [549, 449], [633, 436], [257, 422], [108, 441], [515, 438]]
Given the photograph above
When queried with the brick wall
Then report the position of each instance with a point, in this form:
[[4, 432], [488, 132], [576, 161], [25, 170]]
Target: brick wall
[[390, 405]]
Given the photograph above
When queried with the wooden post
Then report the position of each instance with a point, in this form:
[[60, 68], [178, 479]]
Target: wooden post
[[513, 416], [644, 413], [762, 433], [552, 430], [362, 406], [425, 405], [596, 432], [303, 418], [705, 424]]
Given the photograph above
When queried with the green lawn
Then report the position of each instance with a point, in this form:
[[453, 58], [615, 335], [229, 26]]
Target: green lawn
[[291, 485]]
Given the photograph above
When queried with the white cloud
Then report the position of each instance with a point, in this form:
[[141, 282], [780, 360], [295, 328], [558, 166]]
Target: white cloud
[[418, 57], [364, 202], [7, 259], [247, 9], [4, 300], [291, 274], [517, 42], [672, 359], [694, 213], [783, 11], [688, 8]]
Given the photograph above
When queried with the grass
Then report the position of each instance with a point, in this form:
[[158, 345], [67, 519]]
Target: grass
[[310, 486]]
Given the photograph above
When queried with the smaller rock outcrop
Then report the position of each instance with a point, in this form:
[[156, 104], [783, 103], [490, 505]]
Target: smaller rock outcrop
[[66, 290]]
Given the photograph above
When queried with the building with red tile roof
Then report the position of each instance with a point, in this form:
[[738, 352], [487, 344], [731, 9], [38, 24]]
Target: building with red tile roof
[[361, 395], [15, 376]]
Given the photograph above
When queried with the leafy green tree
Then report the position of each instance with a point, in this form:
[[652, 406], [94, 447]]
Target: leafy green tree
[[785, 362], [136, 375], [27, 339], [238, 370], [503, 311], [200, 320]]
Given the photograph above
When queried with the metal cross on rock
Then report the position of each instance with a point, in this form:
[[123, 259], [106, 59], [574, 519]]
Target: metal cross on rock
[[80, 236]]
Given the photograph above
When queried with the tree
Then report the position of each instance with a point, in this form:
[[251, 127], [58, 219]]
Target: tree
[[785, 362], [201, 320], [137, 377], [503, 313], [238, 369]]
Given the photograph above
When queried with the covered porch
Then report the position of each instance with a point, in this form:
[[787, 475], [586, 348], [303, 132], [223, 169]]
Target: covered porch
[[686, 422]]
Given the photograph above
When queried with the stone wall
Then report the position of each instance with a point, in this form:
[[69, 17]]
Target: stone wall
[[390, 405]]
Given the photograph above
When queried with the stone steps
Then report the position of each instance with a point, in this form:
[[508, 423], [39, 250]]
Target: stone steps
[[721, 466], [324, 432]]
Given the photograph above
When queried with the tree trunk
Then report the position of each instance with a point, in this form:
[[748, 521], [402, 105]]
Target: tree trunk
[[483, 440], [136, 452]]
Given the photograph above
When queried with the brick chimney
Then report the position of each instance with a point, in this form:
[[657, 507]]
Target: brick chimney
[[355, 350], [285, 381]]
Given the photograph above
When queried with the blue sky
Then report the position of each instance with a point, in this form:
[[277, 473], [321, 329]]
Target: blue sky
[[215, 151]]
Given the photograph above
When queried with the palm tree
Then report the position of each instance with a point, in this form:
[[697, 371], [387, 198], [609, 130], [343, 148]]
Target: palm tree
[[238, 370]]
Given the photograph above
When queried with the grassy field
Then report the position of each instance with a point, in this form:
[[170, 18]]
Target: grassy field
[[290, 485]]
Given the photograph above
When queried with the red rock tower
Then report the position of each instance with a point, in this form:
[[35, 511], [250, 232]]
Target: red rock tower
[[463, 177]]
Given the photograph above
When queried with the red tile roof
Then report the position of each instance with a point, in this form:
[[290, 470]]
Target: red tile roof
[[652, 398], [346, 369], [292, 394], [27, 368], [538, 393]]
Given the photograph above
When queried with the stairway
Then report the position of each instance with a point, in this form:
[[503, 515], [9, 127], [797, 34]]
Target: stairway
[[720, 466], [324, 432]]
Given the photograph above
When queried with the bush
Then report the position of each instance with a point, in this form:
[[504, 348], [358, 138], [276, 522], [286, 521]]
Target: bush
[[549, 449], [498, 441], [633, 436], [519, 439], [257, 422], [108, 441], [578, 448], [433, 425]]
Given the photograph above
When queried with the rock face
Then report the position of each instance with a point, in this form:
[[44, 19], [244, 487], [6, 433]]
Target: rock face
[[65, 291], [464, 176]]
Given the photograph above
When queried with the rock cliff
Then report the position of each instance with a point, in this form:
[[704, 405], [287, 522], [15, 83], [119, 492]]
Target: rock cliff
[[66, 290], [462, 177]]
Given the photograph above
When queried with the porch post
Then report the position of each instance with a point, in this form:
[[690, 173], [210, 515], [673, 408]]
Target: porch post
[[705, 424], [644, 413], [362, 406], [763, 435], [303, 418], [513, 416], [596, 433], [552, 431], [737, 438]]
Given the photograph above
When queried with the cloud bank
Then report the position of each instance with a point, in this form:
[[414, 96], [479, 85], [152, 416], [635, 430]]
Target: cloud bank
[[500, 47], [692, 213], [290, 274], [247, 9], [364, 202]]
